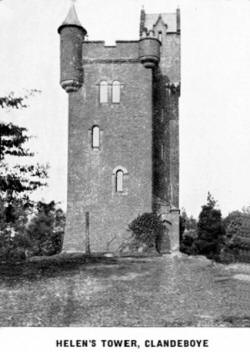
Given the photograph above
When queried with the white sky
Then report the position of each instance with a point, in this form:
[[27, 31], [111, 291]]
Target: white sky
[[214, 106]]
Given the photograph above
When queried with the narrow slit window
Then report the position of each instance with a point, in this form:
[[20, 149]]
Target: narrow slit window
[[103, 92], [95, 137], [160, 36], [119, 181], [162, 152], [116, 92]]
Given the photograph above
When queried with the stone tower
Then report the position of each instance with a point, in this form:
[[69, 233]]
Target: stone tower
[[123, 148]]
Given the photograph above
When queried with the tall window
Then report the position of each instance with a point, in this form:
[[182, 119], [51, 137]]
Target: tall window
[[116, 92], [95, 137], [103, 92], [160, 36], [119, 181]]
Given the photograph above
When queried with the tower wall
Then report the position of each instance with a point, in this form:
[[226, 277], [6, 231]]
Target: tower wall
[[166, 88], [137, 136], [125, 141]]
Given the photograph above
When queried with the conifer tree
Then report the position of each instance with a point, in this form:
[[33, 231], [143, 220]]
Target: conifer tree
[[210, 229]]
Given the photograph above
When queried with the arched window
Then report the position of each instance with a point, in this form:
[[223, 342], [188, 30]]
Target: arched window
[[119, 181], [103, 92], [95, 137], [116, 92]]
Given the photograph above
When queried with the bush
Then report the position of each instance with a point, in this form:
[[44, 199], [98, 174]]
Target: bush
[[46, 229], [19, 239], [147, 230], [237, 237], [13, 246], [14, 241], [187, 242]]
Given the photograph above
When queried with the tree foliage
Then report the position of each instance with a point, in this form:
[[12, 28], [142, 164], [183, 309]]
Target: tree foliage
[[237, 227], [46, 229], [210, 229], [17, 181], [188, 232], [147, 229], [16, 102]]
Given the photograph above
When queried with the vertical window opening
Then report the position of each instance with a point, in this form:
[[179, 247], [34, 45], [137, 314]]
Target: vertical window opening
[[103, 92], [95, 137], [116, 92], [162, 152], [119, 181], [162, 115], [160, 35]]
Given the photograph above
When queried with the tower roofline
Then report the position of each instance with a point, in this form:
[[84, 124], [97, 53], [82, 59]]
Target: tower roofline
[[72, 20]]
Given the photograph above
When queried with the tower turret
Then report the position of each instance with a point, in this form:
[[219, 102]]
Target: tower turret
[[149, 49], [72, 35]]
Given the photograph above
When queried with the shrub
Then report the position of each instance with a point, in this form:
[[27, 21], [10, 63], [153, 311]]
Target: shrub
[[187, 242], [147, 229], [13, 245], [19, 239], [237, 237], [14, 241], [46, 229]]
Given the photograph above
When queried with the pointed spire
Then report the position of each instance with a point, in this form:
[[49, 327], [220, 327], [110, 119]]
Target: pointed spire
[[72, 19]]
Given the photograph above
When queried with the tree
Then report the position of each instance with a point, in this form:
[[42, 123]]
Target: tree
[[46, 229], [17, 181], [237, 234], [210, 230], [44, 233]]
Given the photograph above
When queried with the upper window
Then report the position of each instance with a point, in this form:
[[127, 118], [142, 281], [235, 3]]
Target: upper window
[[119, 181], [95, 137], [116, 92], [103, 92], [160, 35]]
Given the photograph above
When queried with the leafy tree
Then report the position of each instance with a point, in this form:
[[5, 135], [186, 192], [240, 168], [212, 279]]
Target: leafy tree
[[18, 181], [210, 230], [237, 227]]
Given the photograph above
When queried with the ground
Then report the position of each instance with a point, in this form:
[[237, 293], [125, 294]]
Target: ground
[[159, 291]]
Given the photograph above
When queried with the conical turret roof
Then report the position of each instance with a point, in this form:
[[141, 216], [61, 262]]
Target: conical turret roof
[[72, 20]]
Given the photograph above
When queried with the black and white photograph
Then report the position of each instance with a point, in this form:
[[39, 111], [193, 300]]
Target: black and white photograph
[[124, 165]]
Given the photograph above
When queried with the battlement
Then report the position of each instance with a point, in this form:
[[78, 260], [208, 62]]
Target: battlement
[[122, 50]]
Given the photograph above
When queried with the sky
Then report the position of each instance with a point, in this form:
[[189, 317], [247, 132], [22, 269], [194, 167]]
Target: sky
[[214, 103]]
